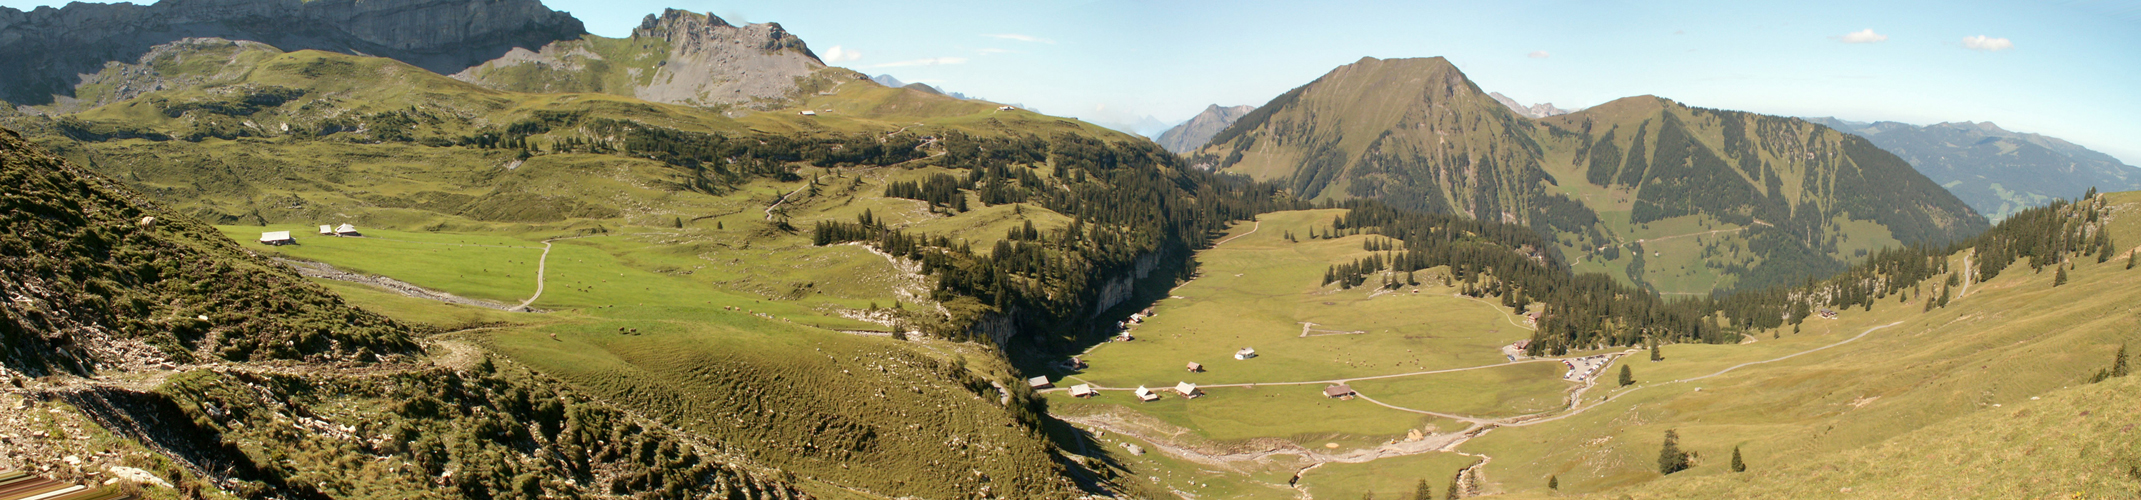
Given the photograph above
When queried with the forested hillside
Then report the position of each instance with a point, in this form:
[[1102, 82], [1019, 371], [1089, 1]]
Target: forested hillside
[[1752, 200], [1588, 309]]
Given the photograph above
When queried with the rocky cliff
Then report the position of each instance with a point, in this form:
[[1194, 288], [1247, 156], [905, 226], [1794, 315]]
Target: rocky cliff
[[45, 52], [678, 57]]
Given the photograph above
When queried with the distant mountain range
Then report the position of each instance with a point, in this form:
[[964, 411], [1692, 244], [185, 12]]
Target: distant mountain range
[[1192, 134], [1705, 199], [1996, 171], [1540, 110], [44, 51]]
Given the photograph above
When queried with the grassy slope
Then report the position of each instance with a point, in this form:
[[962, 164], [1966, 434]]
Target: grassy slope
[[692, 271], [1939, 405], [1899, 400]]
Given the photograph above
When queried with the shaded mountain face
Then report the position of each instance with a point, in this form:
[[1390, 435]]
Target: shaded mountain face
[[43, 51], [1540, 110], [678, 57], [1996, 171], [1744, 199], [1192, 134]]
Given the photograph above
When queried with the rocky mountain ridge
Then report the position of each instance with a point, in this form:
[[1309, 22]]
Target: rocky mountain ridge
[[1540, 110], [1192, 134], [1418, 134], [678, 57], [44, 51], [1997, 171]]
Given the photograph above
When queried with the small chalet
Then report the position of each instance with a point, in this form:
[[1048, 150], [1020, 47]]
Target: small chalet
[[347, 230], [1245, 353], [1194, 367], [1005, 108], [1188, 390], [1341, 391], [277, 238], [1125, 337], [1040, 382], [327, 230], [1146, 395], [1827, 313], [1083, 391], [809, 113], [1523, 344], [1074, 363]]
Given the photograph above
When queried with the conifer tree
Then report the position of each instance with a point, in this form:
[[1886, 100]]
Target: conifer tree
[[1627, 376], [1670, 458], [1454, 493], [2060, 278], [1737, 464], [1422, 491], [1553, 482], [1944, 296], [2118, 362], [1655, 354]]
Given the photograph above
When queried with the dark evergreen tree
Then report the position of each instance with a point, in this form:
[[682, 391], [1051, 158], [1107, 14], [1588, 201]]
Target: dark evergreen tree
[[1670, 458], [1422, 491], [1655, 354], [1553, 482], [2060, 278], [1627, 376], [2118, 362], [1737, 464]]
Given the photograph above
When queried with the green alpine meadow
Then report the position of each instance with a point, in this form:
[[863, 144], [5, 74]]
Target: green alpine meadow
[[509, 249]]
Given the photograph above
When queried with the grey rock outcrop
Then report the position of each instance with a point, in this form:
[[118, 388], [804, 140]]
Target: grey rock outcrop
[[45, 52], [1535, 111], [1192, 134], [678, 57]]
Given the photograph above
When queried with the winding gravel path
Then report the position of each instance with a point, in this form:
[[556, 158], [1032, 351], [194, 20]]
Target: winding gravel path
[[542, 265]]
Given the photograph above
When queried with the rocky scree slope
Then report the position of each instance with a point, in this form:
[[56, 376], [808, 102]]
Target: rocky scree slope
[[43, 51]]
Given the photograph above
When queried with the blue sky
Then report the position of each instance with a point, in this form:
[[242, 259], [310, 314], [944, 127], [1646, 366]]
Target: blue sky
[[2070, 69]]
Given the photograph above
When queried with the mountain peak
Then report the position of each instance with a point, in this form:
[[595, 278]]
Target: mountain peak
[[1535, 111], [678, 57], [1190, 135], [697, 30]]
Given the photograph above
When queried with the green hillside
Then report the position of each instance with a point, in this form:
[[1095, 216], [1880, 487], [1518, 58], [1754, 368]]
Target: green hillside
[[1681, 199], [145, 339], [670, 239], [1917, 387]]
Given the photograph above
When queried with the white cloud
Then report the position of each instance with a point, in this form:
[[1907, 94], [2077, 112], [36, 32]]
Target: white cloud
[[933, 61], [1538, 54], [838, 54], [1022, 38], [1988, 44], [1863, 36]]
